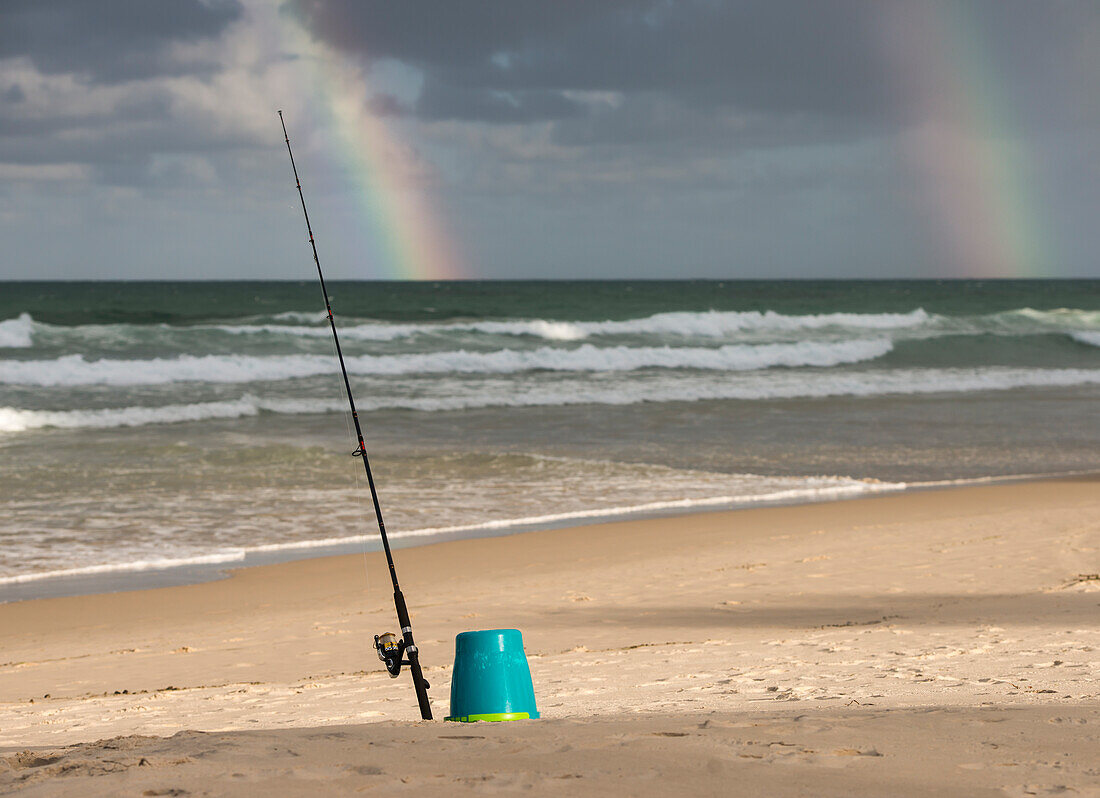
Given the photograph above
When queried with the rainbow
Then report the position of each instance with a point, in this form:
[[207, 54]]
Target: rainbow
[[969, 154], [401, 237]]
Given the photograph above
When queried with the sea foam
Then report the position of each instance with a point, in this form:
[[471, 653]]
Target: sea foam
[[672, 325], [17, 420], [801, 489], [576, 391], [704, 324], [71, 370], [16, 333], [130, 566]]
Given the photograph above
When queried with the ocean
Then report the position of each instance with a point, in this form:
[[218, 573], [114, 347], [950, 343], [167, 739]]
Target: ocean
[[151, 425]]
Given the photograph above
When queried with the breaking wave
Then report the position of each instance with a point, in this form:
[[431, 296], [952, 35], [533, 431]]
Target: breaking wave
[[706, 324], [721, 323], [21, 331], [71, 370], [380, 331], [16, 333], [16, 420], [500, 393]]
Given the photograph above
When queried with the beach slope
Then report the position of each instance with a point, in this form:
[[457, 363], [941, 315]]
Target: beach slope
[[904, 644]]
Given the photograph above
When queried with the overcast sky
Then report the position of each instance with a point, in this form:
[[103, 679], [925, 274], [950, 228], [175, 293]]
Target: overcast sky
[[550, 138]]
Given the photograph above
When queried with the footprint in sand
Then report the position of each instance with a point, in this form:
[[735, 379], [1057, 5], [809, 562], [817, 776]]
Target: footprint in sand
[[855, 752]]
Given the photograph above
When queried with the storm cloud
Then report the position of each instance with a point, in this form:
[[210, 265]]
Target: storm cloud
[[112, 41], [621, 137]]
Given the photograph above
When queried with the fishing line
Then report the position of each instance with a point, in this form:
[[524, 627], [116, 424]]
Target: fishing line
[[358, 489], [391, 650], [358, 492]]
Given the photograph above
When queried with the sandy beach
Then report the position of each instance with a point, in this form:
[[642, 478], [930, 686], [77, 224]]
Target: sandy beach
[[740, 358], [934, 642]]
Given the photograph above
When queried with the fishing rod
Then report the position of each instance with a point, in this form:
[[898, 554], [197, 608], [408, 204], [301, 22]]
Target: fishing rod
[[390, 649]]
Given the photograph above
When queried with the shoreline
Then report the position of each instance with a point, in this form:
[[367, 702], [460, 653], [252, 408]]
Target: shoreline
[[559, 580], [914, 643], [112, 578]]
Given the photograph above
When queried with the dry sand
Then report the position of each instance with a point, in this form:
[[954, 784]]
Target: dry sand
[[941, 642]]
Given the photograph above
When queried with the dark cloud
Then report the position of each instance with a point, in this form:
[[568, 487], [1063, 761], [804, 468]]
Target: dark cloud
[[48, 132], [121, 153], [110, 41], [632, 129], [665, 127], [441, 101], [125, 112], [441, 32], [118, 142], [779, 57], [383, 104], [800, 67]]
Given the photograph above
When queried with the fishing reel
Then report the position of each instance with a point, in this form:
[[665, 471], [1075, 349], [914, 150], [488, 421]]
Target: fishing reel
[[391, 650]]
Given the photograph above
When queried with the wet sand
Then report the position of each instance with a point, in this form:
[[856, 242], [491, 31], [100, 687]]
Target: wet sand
[[906, 644]]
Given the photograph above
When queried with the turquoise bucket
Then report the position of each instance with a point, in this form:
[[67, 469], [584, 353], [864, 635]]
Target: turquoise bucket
[[491, 679]]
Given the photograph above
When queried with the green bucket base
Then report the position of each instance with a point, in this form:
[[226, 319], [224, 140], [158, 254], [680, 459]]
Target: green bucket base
[[492, 716]]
